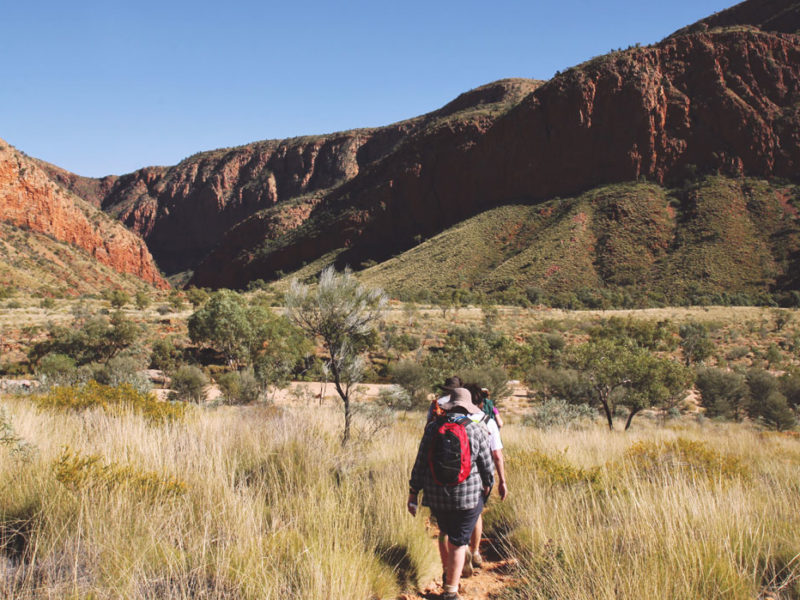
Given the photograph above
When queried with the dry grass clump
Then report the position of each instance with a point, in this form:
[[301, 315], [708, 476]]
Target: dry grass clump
[[227, 503], [687, 513]]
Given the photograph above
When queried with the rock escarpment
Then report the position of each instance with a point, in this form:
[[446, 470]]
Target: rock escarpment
[[184, 211], [30, 200], [716, 101]]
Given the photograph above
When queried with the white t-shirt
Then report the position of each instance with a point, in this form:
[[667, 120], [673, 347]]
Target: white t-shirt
[[495, 443]]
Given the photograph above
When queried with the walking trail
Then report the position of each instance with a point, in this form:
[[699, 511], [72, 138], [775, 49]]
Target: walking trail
[[489, 581]]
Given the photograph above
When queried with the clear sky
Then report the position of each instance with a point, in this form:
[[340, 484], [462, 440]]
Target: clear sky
[[102, 87]]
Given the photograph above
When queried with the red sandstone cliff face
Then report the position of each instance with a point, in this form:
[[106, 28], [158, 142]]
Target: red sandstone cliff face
[[184, 211], [30, 200], [719, 101]]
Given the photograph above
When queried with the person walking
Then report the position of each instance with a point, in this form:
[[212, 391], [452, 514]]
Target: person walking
[[456, 506], [496, 448]]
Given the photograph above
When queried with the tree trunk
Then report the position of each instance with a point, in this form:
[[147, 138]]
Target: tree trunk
[[346, 434], [345, 396], [630, 418], [606, 409]]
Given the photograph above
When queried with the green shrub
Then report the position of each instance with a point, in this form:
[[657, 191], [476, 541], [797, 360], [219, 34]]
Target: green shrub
[[164, 355], [414, 379], [695, 342], [118, 298], [122, 369], [142, 300], [189, 383], [491, 376], [790, 387], [569, 385], [239, 387], [57, 369], [722, 393], [556, 413]]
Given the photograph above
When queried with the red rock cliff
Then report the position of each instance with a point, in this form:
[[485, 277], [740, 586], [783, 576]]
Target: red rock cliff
[[29, 199], [723, 101]]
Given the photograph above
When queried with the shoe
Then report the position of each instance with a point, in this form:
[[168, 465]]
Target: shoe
[[451, 596], [467, 571], [477, 561]]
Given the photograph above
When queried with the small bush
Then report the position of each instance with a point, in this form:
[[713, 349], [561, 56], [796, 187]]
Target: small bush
[[111, 399], [412, 377], [554, 469], [118, 298], [164, 355], [57, 369], [239, 387], [163, 309], [722, 393], [559, 414], [9, 439], [142, 300], [737, 352], [47, 303], [189, 383], [122, 369]]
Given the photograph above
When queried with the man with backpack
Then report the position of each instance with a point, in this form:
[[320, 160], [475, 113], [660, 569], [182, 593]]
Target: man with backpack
[[455, 471]]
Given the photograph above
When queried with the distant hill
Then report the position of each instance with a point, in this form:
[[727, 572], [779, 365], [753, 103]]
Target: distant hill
[[53, 240], [682, 134]]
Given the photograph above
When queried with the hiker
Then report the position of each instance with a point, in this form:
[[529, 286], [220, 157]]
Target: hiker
[[489, 408], [435, 409], [456, 500], [496, 448]]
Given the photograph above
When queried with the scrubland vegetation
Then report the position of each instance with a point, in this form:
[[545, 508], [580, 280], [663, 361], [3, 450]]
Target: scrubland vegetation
[[108, 491]]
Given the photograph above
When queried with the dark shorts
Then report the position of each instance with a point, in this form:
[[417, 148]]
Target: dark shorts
[[458, 524]]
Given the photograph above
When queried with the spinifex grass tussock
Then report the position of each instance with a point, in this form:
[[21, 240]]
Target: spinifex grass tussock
[[674, 513], [270, 506], [111, 399]]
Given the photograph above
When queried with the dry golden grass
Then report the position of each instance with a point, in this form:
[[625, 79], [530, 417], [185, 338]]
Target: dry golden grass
[[263, 503]]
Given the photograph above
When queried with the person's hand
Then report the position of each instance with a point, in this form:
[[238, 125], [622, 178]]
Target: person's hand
[[502, 490], [411, 505], [486, 492]]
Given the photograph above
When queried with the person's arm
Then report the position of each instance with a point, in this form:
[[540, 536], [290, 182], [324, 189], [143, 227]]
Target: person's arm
[[416, 482], [483, 459], [497, 417], [499, 464]]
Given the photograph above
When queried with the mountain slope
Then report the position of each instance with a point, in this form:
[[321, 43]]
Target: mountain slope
[[725, 101], [31, 201]]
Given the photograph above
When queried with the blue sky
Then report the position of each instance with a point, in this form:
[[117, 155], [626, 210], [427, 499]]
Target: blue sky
[[109, 87]]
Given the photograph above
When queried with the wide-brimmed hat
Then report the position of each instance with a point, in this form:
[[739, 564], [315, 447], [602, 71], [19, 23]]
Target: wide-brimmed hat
[[451, 383], [461, 397]]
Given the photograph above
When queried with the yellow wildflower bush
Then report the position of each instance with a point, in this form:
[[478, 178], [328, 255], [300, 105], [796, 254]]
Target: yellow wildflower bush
[[650, 459], [112, 399], [79, 472]]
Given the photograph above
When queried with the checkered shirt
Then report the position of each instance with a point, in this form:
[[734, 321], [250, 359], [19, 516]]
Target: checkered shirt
[[466, 494]]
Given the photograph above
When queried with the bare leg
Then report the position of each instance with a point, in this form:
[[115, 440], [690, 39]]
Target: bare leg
[[455, 563], [475, 538], [443, 551]]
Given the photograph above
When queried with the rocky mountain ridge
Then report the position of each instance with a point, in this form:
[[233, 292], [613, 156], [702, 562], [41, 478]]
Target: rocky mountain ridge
[[31, 201]]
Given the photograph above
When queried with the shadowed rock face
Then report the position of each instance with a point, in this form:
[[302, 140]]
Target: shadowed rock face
[[184, 211], [723, 101], [29, 199], [720, 96]]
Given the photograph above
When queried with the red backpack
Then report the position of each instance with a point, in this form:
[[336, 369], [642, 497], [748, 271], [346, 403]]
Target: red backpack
[[449, 454]]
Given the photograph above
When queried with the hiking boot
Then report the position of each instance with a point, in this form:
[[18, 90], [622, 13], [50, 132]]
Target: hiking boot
[[477, 561], [467, 571], [451, 596]]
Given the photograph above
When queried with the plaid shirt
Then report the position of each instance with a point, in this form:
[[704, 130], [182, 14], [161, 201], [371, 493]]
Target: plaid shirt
[[466, 494]]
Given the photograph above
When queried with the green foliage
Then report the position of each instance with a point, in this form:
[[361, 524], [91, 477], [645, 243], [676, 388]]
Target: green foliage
[[189, 383], [722, 393], [57, 368], [239, 387], [110, 399], [94, 339], [196, 296], [695, 342], [164, 355], [175, 300], [118, 298], [85, 472], [343, 314], [653, 335], [413, 378], [249, 334], [790, 388], [767, 403], [47, 303], [491, 376], [555, 413], [552, 468], [142, 299], [568, 385]]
